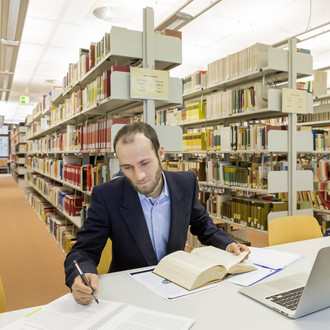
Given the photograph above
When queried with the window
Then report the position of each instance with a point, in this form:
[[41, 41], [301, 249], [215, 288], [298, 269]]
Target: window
[[4, 142]]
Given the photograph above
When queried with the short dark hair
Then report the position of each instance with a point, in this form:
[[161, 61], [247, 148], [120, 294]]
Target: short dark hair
[[127, 133]]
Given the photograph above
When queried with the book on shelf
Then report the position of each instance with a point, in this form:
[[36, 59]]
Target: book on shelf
[[200, 267], [234, 65], [320, 83]]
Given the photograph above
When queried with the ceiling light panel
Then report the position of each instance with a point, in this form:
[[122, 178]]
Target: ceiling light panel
[[25, 67], [51, 70], [32, 28], [76, 36], [198, 31], [45, 9], [61, 56], [28, 52]]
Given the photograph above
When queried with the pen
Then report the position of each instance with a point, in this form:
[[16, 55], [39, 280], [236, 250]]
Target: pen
[[85, 279]]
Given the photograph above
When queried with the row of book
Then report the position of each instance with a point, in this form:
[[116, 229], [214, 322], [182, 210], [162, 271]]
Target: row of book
[[226, 103], [321, 139], [321, 200], [179, 165], [94, 92], [63, 231], [89, 137], [318, 87], [191, 112], [84, 177], [88, 58], [64, 198], [247, 60], [236, 174], [251, 212], [193, 142], [312, 117], [194, 81], [320, 168], [241, 175], [253, 137]]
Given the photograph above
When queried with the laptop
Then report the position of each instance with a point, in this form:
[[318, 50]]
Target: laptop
[[298, 294]]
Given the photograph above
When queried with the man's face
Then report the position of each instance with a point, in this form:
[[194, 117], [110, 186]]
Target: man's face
[[141, 165]]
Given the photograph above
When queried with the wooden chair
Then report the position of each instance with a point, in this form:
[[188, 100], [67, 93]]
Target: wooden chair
[[293, 228], [4, 164], [106, 258], [3, 305]]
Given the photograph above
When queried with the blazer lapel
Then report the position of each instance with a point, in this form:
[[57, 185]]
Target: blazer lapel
[[132, 214], [178, 213]]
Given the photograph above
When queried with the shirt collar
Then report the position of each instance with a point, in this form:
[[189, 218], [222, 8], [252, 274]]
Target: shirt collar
[[165, 191]]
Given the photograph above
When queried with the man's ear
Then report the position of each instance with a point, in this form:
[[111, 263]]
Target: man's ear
[[161, 153]]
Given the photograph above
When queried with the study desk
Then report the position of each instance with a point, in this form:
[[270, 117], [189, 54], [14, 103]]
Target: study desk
[[222, 307]]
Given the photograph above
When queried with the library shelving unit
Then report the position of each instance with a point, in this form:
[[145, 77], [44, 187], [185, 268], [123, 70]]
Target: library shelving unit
[[318, 159], [70, 147], [279, 66], [18, 154]]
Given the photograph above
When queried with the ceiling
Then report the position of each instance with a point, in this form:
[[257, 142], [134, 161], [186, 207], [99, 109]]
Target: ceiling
[[54, 30]]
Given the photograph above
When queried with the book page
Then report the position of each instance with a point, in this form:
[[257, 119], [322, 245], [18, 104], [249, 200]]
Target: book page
[[221, 257], [65, 314], [135, 318]]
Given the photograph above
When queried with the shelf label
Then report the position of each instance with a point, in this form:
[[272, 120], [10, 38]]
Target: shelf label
[[294, 100], [149, 84]]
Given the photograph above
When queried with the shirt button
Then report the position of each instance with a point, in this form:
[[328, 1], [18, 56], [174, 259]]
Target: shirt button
[[156, 228]]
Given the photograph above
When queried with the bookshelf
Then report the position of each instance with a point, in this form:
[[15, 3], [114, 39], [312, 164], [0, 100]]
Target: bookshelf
[[71, 130], [267, 79], [317, 159], [18, 154]]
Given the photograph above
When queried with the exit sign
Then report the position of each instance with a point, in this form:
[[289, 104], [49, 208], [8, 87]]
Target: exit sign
[[24, 99]]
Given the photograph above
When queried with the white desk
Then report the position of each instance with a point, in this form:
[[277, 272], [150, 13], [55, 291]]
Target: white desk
[[222, 307]]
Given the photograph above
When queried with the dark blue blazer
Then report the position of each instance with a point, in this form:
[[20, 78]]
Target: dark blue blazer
[[115, 212]]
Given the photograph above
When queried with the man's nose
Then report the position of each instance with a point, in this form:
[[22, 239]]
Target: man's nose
[[139, 174]]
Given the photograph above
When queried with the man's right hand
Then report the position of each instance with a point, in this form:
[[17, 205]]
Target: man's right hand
[[82, 294]]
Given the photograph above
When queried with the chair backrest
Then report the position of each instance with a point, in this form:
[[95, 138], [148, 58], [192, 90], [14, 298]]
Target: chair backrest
[[293, 228], [105, 259], [3, 162], [3, 305]]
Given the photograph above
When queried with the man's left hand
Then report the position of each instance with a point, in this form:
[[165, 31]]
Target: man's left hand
[[238, 248]]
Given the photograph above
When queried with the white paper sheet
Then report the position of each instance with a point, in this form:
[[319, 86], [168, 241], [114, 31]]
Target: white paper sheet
[[271, 258], [162, 287]]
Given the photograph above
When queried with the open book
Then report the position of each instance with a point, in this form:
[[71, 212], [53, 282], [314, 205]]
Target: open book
[[200, 267]]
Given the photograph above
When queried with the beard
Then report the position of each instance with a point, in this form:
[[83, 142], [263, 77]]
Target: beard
[[151, 186]]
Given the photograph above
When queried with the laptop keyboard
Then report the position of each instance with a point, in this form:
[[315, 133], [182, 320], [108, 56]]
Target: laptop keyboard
[[288, 299]]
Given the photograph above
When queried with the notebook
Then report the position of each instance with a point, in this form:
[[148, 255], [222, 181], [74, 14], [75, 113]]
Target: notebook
[[298, 294], [65, 314]]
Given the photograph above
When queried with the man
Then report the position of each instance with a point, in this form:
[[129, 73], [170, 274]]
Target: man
[[145, 213]]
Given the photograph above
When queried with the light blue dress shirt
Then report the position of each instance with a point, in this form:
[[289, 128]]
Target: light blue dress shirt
[[157, 213]]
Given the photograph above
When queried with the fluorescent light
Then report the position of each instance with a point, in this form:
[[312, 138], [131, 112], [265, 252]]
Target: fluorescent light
[[5, 82], [12, 43], [179, 19], [8, 58], [3, 97], [6, 72], [12, 19]]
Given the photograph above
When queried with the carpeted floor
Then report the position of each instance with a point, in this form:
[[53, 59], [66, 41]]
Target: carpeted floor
[[31, 263]]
